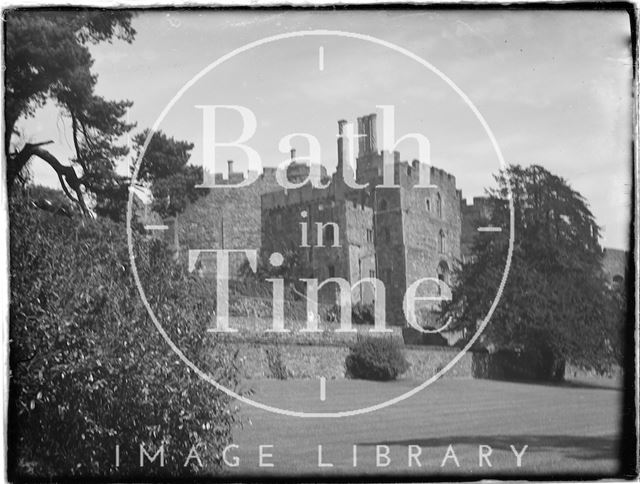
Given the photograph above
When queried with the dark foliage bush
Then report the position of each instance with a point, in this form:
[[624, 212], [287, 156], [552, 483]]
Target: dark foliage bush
[[277, 366], [362, 314], [518, 366], [376, 358], [89, 369]]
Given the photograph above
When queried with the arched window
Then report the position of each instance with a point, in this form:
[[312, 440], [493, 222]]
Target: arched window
[[443, 275], [428, 204], [382, 205], [441, 242], [439, 205], [618, 279], [327, 236]]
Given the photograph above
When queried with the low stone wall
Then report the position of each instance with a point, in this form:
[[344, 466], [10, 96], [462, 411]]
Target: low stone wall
[[426, 361], [311, 361], [301, 361], [256, 332], [306, 361]]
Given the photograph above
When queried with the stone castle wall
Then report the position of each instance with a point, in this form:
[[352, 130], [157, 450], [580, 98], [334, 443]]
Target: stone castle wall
[[425, 224], [390, 249], [397, 234], [225, 218], [328, 361], [391, 233]]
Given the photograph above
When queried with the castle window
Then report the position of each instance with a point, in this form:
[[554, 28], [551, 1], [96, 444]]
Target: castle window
[[332, 270], [327, 236], [372, 274], [369, 235], [428, 204], [441, 242], [382, 205], [443, 275], [387, 235], [439, 205]]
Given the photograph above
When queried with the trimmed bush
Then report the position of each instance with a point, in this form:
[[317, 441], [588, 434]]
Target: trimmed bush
[[89, 369], [376, 358]]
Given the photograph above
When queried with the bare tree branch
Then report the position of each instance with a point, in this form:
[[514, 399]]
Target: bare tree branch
[[66, 174]]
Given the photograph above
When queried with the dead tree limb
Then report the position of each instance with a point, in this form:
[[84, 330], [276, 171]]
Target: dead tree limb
[[66, 174]]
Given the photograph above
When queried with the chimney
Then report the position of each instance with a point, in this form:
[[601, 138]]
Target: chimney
[[230, 165], [362, 139], [371, 133], [341, 151], [293, 154]]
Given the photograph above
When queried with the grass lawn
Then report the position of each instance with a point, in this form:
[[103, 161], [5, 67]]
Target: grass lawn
[[568, 429]]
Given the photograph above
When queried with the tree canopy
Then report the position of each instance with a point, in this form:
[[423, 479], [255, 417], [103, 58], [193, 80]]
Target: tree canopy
[[164, 167], [556, 303], [47, 58]]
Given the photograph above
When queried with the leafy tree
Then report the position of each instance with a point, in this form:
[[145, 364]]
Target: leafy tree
[[165, 168], [47, 58], [556, 305], [88, 369]]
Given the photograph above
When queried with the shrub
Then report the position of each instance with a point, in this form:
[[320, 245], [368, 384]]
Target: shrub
[[362, 314], [90, 371], [276, 364], [376, 358]]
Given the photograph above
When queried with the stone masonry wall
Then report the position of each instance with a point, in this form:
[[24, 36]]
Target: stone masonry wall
[[328, 361], [225, 216], [358, 242], [423, 226], [312, 362], [389, 241]]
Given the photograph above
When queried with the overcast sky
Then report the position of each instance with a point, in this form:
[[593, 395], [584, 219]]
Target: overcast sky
[[555, 88]]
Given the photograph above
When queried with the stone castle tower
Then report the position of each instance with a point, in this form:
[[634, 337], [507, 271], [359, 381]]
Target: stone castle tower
[[398, 234]]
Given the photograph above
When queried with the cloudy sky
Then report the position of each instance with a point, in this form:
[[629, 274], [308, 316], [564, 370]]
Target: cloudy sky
[[554, 87]]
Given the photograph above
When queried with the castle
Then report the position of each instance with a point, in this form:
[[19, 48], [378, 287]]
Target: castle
[[398, 233]]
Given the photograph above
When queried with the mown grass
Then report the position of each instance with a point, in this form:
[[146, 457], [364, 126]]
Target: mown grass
[[570, 429]]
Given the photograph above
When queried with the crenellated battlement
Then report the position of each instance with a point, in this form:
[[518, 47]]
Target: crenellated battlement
[[305, 194], [397, 234]]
